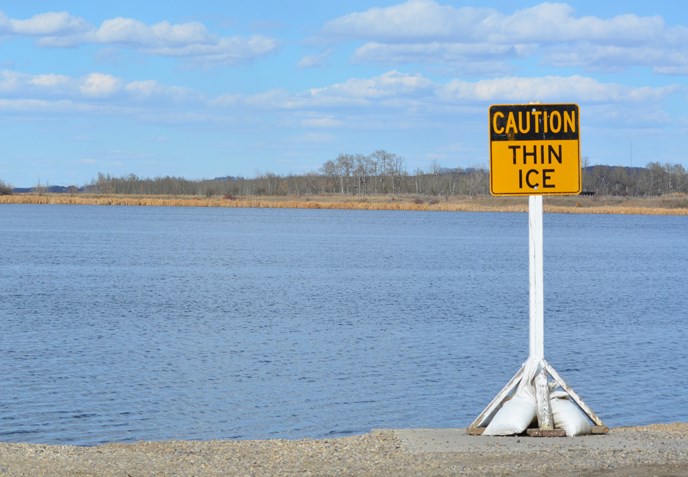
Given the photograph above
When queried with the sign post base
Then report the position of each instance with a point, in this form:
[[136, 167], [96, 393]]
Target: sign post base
[[554, 381]]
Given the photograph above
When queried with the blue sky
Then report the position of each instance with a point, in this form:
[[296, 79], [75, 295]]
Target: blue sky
[[212, 88]]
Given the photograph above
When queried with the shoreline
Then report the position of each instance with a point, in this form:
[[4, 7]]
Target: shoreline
[[658, 449], [672, 204]]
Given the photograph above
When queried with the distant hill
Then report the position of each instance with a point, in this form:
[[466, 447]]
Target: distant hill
[[49, 189]]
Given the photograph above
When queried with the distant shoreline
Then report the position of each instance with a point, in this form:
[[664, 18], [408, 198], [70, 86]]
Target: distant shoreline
[[672, 204]]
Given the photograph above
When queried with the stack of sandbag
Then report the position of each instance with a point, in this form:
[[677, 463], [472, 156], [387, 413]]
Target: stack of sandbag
[[513, 417], [517, 413], [568, 416]]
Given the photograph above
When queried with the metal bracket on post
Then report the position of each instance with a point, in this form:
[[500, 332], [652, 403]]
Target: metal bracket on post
[[544, 407]]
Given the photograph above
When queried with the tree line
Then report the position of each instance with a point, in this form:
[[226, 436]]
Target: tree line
[[383, 172]]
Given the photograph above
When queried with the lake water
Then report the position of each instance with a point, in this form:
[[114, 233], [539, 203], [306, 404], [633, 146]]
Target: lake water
[[122, 324]]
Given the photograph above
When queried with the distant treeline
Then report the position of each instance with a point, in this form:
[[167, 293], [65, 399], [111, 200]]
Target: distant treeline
[[383, 173]]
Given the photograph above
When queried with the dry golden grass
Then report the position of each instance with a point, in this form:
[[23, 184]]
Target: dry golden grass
[[674, 204]]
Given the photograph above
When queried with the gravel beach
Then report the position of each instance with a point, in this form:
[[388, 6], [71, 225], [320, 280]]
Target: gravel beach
[[655, 450]]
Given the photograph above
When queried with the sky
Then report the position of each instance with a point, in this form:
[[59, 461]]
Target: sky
[[215, 88]]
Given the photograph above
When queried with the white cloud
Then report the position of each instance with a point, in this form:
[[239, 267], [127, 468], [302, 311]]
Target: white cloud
[[99, 85], [313, 138], [226, 100], [680, 70], [467, 58], [138, 34], [143, 88], [23, 106], [50, 80], [228, 50], [426, 31], [318, 59], [93, 86], [392, 83], [9, 81], [611, 57], [394, 99], [321, 122], [427, 20], [414, 93], [50, 23], [550, 89], [148, 89], [384, 90], [13, 83], [190, 41], [415, 19]]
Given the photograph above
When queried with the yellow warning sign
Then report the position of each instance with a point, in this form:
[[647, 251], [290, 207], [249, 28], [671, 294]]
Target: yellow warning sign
[[535, 149]]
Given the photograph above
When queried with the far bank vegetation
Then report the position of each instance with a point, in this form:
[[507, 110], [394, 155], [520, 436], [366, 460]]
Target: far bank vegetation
[[383, 177], [383, 173]]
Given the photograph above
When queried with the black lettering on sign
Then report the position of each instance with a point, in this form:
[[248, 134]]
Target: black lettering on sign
[[535, 154], [547, 178], [530, 179], [544, 122]]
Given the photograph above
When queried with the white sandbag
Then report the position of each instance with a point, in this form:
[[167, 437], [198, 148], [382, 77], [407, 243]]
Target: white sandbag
[[568, 416], [517, 413], [514, 417]]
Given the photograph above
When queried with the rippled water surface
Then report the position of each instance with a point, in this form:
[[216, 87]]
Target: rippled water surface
[[121, 324]]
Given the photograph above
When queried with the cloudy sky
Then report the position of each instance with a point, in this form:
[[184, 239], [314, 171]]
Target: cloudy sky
[[210, 88]]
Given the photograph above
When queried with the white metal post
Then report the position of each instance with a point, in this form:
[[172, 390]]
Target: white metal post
[[537, 319], [537, 314]]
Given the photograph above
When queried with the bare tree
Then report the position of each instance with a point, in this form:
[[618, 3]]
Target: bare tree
[[5, 188]]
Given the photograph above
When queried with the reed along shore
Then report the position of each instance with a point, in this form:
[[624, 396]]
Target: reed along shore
[[672, 204]]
